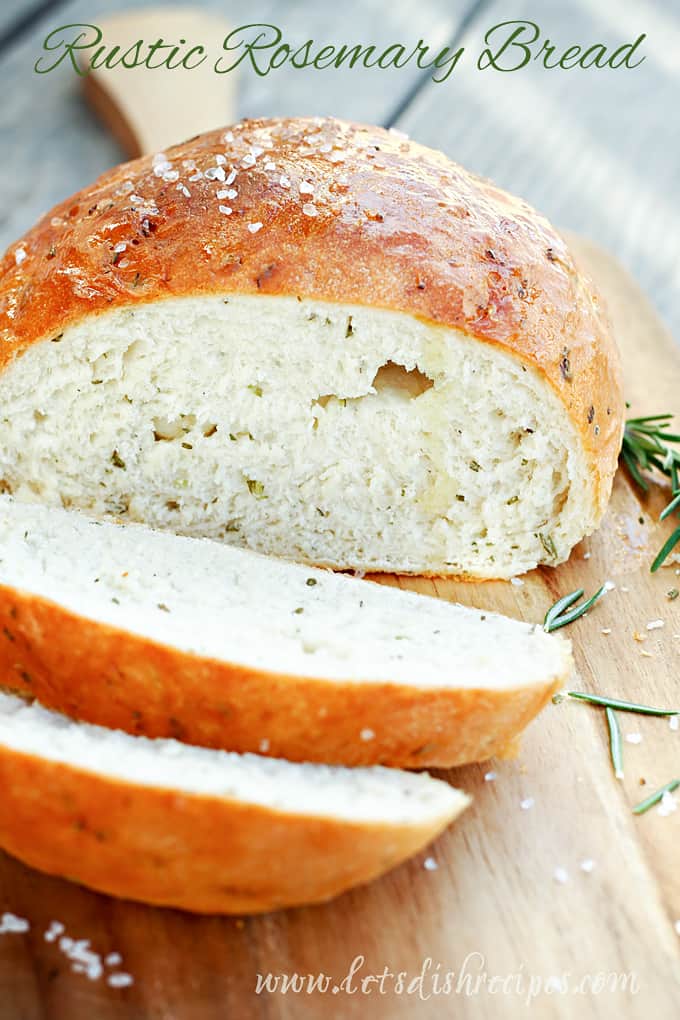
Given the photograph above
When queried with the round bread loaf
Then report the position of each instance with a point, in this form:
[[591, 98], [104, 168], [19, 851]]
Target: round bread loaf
[[316, 339]]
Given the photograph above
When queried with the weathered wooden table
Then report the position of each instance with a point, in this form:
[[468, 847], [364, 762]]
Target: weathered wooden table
[[599, 152]]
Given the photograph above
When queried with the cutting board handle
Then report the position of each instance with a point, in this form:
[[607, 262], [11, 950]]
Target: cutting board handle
[[147, 110]]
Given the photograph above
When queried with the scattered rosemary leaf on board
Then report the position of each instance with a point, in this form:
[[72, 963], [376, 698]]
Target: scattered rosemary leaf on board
[[560, 614], [655, 797], [615, 745], [672, 594], [666, 550], [671, 508], [622, 706]]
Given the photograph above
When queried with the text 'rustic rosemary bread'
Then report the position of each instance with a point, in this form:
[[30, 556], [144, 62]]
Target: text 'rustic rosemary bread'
[[171, 636], [181, 826], [316, 339]]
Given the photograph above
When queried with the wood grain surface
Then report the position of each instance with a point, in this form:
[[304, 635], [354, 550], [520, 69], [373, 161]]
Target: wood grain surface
[[493, 905]]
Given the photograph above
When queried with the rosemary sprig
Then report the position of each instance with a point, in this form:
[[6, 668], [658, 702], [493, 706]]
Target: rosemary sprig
[[615, 744], [560, 614], [655, 797], [645, 446], [622, 706]]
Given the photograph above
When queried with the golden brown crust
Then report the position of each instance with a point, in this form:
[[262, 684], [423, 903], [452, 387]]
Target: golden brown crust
[[100, 674], [199, 853], [394, 225]]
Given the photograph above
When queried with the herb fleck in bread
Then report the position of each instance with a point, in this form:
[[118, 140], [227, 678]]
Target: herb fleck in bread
[[208, 831], [170, 636], [316, 339]]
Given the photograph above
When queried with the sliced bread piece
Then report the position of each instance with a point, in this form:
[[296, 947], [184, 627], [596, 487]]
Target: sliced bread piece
[[209, 831], [169, 636]]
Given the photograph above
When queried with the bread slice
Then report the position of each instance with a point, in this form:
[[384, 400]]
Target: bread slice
[[171, 636], [209, 831], [318, 340]]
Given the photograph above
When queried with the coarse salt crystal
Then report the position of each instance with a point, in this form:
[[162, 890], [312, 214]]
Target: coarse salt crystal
[[561, 875], [55, 929], [248, 160], [264, 745], [158, 157], [11, 924], [527, 803], [586, 556], [517, 581], [309, 209], [430, 864], [231, 177], [606, 630], [269, 166], [19, 256], [655, 625], [170, 176], [196, 177], [398, 134], [215, 173], [284, 181], [184, 190], [113, 960], [587, 865], [306, 188], [220, 159], [609, 586], [225, 210], [120, 980], [490, 776], [228, 136], [367, 734], [120, 247], [673, 722], [634, 738], [254, 227]]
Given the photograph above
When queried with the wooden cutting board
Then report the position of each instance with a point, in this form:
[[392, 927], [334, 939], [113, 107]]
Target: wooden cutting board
[[493, 906]]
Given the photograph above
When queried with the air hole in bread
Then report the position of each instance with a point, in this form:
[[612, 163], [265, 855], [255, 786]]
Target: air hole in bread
[[392, 376], [165, 430]]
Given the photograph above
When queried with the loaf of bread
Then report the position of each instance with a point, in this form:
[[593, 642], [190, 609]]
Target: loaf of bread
[[168, 636], [165, 823], [316, 339]]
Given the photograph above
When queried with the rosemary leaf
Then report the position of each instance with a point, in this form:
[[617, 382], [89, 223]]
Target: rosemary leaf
[[650, 417], [655, 797], [622, 706], [615, 743], [633, 468], [560, 606], [556, 617], [666, 550], [673, 505]]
